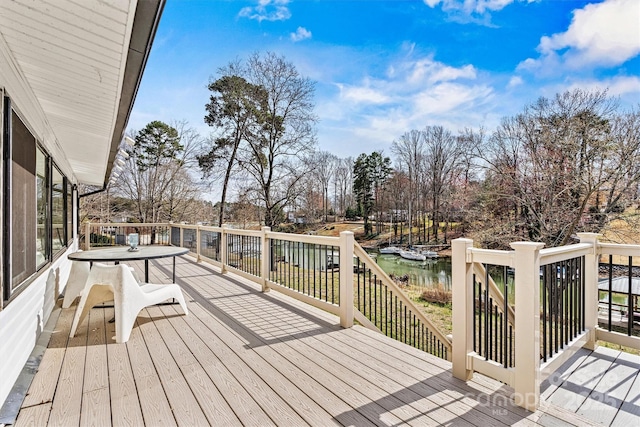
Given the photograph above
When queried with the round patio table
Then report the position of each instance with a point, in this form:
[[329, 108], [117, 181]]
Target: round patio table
[[122, 253]]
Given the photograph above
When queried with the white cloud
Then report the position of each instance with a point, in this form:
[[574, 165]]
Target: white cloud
[[301, 34], [267, 10], [363, 94], [515, 81], [470, 6], [413, 93], [432, 72], [449, 97], [618, 86], [604, 34]]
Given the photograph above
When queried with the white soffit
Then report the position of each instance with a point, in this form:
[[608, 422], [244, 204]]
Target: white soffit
[[72, 56]]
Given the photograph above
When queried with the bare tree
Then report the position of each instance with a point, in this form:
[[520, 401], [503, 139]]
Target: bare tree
[[564, 163], [343, 181], [156, 175], [441, 160], [409, 150], [233, 109], [323, 165], [286, 135]]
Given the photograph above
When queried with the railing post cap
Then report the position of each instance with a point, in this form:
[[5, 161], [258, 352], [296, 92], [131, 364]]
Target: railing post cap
[[531, 246], [346, 232], [462, 240], [589, 237]]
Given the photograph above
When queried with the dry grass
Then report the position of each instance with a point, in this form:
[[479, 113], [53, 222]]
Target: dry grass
[[437, 295], [439, 313]]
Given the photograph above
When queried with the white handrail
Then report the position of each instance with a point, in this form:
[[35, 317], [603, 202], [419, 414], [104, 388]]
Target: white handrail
[[395, 289]]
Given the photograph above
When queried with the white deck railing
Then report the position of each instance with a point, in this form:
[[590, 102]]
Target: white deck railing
[[332, 273], [519, 314]]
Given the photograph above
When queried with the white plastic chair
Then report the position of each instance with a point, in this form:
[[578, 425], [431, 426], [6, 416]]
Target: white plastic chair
[[78, 279], [75, 283], [117, 283]]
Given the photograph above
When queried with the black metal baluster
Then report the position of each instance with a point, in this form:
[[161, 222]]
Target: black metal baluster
[[505, 311], [610, 291], [556, 307], [630, 299], [370, 296], [563, 301], [546, 325], [475, 313], [490, 329], [582, 287], [395, 297], [486, 313], [375, 297], [496, 335], [502, 338], [571, 298]]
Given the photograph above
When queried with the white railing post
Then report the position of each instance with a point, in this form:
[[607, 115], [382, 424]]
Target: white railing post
[[223, 249], [346, 279], [87, 236], [265, 258], [591, 297], [527, 324], [462, 304], [181, 237], [198, 259]]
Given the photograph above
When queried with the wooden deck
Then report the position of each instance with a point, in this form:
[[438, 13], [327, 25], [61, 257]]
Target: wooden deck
[[601, 385], [242, 357]]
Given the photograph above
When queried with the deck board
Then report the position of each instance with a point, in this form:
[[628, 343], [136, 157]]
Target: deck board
[[605, 399], [35, 415], [183, 404], [155, 407], [601, 386], [125, 403], [66, 405], [243, 357], [45, 381], [629, 412], [96, 377]]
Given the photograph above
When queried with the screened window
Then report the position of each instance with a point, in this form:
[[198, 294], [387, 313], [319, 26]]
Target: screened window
[[25, 243], [42, 202], [41, 215], [69, 211], [58, 203]]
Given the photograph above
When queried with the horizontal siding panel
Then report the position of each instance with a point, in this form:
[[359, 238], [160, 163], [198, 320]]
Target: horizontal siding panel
[[22, 321], [32, 61], [39, 43], [79, 82], [113, 10], [82, 111], [73, 15], [65, 36]]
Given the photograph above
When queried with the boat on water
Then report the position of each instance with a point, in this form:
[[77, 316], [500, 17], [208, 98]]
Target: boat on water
[[424, 249], [390, 250], [430, 254], [413, 256]]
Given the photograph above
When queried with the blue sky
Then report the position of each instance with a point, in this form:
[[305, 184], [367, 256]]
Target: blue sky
[[383, 68]]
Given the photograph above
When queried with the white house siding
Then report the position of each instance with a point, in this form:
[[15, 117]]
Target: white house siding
[[23, 319]]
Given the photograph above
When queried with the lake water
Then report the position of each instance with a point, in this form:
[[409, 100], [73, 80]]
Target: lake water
[[427, 273]]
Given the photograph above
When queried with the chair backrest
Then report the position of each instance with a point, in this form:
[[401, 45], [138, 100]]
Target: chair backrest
[[118, 276], [128, 282], [102, 274]]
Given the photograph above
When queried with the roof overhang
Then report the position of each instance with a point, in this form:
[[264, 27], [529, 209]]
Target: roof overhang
[[73, 70]]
